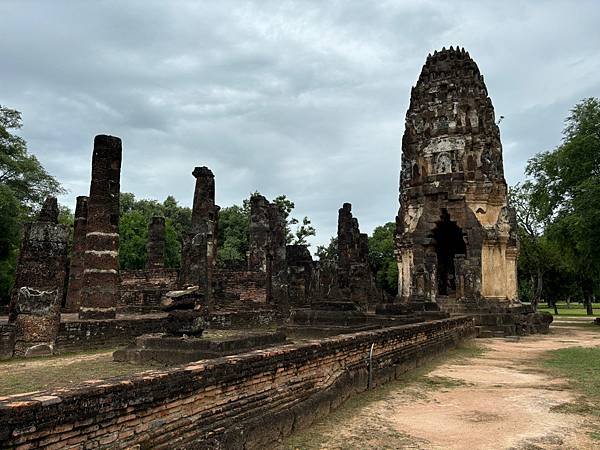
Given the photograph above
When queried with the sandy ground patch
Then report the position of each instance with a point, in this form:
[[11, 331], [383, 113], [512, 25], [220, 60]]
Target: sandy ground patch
[[501, 400]]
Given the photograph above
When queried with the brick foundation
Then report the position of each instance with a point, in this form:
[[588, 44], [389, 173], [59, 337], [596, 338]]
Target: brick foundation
[[142, 290], [245, 401], [95, 334]]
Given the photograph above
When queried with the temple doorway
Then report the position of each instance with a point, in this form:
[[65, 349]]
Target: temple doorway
[[449, 242]]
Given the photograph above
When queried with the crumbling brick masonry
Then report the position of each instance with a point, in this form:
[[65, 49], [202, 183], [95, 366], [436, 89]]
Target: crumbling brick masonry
[[100, 292]]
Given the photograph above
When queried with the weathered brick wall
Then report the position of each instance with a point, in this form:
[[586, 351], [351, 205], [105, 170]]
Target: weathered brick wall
[[7, 340], [88, 334], [244, 401], [142, 290], [251, 318], [240, 285]]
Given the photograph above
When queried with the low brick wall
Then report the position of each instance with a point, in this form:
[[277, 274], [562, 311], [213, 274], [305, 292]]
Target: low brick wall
[[142, 290], [243, 401], [7, 340], [240, 285], [251, 318], [90, 334], [78, 335]]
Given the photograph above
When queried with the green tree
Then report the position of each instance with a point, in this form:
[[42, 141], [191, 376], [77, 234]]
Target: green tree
[[382, 257], [566, 192], [133, 229], [328, 253], [233, 234], [234, 222], [302, 231], [21, 172], [24, 185]]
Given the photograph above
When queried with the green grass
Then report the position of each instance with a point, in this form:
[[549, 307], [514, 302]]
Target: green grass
[[22, 375], [574, 309], [581, 366], [414, 384], [583, 325]]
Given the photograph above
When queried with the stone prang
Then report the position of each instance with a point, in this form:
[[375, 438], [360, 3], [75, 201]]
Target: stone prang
[[456, 234]]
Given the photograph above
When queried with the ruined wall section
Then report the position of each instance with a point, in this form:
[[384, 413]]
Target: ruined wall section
[[267, 249], [199, 246], [142, 290], [155, 248], [355, 279], [76, 268], [452, 166], [251, 400], [100, 292], [301, 275]]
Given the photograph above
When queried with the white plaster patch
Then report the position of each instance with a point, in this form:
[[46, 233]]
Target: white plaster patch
[[412, 216], [99, 271], [112, 253], [100, 233], [445, 144], [87, 308]]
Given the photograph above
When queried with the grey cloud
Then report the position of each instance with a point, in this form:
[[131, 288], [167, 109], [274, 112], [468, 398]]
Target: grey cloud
[[303, 98]]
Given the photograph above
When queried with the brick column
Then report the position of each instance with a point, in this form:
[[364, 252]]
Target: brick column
[[77, 256], [100, 276], [156, 243], [199, 246], [39, 283]]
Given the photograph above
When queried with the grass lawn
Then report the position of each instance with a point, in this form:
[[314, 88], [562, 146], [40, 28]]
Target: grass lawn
[[581, 366], [22, 375], [575, 309]]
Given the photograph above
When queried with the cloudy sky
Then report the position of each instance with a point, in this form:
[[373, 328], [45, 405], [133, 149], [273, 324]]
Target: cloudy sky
[[302, 98]]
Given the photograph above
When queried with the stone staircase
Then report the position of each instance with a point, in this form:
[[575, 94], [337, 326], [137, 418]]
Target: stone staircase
[[497, 319]]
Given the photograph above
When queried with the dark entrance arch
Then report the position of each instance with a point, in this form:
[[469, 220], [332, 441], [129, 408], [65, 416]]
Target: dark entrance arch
[[449, 242]]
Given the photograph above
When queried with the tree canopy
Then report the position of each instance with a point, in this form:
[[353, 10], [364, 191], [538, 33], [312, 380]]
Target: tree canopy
[[563, 200], [232, 232], [24, 185], [133, 229], [382, 257]]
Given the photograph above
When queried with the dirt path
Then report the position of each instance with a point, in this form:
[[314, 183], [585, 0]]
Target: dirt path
[[499, 400]]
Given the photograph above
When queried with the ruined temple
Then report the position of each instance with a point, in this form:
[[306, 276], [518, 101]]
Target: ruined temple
[[456, 235], [100, 291]]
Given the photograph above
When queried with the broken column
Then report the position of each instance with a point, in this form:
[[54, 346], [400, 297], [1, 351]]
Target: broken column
[[277, 259], [354, 276], [156, 243], [77, 256], [258, 233], [199, 246], [39, 283], [100, 291]]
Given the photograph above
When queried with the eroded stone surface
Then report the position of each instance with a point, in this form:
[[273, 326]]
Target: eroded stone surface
[[77, 256], [156, 243], [37, 322]]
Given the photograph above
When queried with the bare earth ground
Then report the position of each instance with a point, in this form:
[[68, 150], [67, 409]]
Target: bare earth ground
[[500, 399]]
